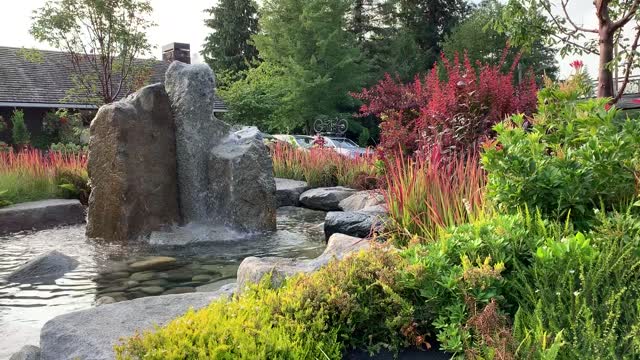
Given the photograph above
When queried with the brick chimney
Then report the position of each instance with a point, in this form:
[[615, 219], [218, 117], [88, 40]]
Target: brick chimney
[[177, 51]]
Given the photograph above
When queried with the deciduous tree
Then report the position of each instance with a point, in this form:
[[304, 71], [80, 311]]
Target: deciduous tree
[[616, 19], [103, 39]]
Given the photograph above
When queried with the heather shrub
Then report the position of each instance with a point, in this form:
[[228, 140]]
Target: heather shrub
[[460, 282], [582, 292], [454, 106], [569, 159], [356, 302]]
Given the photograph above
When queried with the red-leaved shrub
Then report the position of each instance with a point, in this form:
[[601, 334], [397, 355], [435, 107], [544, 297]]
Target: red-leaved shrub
[[455, 111]]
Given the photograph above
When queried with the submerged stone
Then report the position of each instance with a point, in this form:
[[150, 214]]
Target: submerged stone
[[156, 262], [47, 267]]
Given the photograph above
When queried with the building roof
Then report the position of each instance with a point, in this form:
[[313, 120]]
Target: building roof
[[47, 81]]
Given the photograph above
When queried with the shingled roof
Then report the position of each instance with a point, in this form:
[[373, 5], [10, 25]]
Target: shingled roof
[[46, 83]]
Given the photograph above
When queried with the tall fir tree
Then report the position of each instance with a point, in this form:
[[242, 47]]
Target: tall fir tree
[[228, 48], [429, 21]]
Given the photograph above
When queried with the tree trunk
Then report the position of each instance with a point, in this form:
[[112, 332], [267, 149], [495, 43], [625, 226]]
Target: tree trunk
[[605, 76]]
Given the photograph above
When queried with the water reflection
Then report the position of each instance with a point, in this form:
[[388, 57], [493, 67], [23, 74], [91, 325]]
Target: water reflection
[[106, 270]]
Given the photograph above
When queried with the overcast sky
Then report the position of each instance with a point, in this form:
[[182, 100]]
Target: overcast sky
[[183, 21]]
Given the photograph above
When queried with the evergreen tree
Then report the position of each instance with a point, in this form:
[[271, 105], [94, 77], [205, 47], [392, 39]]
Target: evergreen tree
[[19, 132], [318, 59], [482, 42], [429, 21], [228, 49]]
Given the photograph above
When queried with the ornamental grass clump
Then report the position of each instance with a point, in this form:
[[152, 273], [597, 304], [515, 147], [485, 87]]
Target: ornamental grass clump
[[431, 193], [321, 167], [31, 174]]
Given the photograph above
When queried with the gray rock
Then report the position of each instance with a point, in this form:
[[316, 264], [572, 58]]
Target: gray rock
[[91, 334], [115, 275], [288, 191], [253, 269], [155, 282], [179, 290], [44, 268], [216, 284], [104, 300], [354, 223], [327, 198], [28, 352], [241, 182], [132, 166], [179, 275], [201, 278], [40, 215], [361, 200], [191, 89], [156, 262], [152, 290], [142, 276]]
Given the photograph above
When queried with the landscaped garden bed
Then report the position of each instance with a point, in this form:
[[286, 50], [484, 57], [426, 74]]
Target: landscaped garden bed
[[527, 249]]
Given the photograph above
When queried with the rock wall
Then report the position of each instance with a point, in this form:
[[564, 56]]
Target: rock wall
[[132, 167]]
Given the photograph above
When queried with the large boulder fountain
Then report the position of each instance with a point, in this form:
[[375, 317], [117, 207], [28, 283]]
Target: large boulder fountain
[[160, 157]]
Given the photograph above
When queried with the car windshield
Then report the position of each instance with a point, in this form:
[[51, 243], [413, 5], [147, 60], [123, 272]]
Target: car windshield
[[304, 141], [345, 143]]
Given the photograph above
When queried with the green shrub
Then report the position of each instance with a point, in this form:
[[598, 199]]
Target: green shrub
[[573, 159], [351, 303], [73, 184], [69, 148], [19, 132], [585, 289], [63, 126]]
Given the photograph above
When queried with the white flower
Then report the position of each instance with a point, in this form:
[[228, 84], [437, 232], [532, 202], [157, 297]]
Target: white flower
[[576, 293]]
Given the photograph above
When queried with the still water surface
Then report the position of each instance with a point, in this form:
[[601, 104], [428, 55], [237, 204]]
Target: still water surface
[[24, 308]]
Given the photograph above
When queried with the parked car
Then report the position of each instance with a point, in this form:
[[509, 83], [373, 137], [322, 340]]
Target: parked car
[[302, 141], [344, 146]]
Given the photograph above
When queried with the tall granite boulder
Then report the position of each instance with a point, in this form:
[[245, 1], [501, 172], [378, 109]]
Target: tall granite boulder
[[225, 177], [191, 89], [241, 182], [132, 167]]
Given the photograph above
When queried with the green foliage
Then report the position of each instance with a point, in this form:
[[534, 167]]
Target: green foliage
[[585, 287], [3, 124], [228, 47], [63, 127], [19, 133], [69, 148], [73, 184], [262, 98], [463, 276], [429, 21], [573, 158], [310, 63], [113, 31], [363, 138], [483, 43], [354, 302], [3, 201]]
